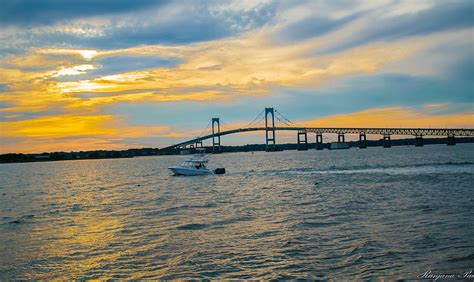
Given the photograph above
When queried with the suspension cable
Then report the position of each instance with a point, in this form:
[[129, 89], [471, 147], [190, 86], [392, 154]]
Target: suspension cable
[[222, 124], [282, 121], [255, 122], [205, 130], [285, 118], [256, 119], [279, 116]]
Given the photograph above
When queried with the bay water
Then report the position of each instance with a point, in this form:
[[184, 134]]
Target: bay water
[[373, 213]]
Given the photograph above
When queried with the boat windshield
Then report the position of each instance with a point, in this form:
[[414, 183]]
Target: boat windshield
[[195, 164], [198, 161]]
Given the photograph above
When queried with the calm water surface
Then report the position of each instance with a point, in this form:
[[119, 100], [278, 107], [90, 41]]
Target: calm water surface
[[377, 212]]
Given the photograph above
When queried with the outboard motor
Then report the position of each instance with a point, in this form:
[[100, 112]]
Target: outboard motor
[[219, 170]]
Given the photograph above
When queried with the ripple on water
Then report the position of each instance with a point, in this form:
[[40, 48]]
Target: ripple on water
[[193, 226], [284, 215]]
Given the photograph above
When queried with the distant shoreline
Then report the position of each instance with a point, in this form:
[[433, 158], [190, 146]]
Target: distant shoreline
[[131, 153]]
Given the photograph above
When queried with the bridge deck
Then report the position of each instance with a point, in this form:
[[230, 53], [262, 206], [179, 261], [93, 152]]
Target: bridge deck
[[382, 131]]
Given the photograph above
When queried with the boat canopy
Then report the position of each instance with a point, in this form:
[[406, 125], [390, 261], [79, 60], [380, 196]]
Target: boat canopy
[[197, 161]]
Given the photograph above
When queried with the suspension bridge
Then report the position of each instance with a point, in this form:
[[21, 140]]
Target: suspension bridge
[[265, 121]]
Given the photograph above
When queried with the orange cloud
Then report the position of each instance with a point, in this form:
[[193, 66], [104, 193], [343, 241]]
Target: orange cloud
[[59, 126], [36, 59], [248, 65], [74, 132], [394, 117], [77, 125]]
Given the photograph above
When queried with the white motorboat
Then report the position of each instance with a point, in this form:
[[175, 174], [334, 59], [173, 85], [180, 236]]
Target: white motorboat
[[195, 166]]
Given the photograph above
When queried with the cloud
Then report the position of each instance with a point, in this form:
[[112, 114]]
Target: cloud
[[217, 70], [436, 107], [309, 58], [383, 25], [127, 24], [31, 12], [72, 71], [9, 145], [358, 92], [59, 126], [62, 126], [69, 132], [313, 26], [86, 54], [250, 64], [115, 25], [394, 117]]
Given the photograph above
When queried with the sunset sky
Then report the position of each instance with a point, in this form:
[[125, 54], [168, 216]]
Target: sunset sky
[[115, 74]]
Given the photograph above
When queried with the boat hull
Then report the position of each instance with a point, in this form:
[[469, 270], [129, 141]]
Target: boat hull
[[177, 170]]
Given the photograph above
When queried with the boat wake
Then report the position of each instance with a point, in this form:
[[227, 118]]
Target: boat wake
[[465, 167]]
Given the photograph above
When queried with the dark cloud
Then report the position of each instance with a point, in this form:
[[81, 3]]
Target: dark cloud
[[441, 17], [3, 88], [192, 21], [314, 26], [33, 12]]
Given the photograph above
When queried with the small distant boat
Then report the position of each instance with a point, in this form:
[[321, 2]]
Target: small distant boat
[[195, 166]]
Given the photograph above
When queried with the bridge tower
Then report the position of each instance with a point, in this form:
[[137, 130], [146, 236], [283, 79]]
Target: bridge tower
[[270, 130], [216, 138]]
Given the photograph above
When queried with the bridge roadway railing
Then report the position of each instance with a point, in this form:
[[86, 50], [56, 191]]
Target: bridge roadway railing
[[396, 131], [341, 130]]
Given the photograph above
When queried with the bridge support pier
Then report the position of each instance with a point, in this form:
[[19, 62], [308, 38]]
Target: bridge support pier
[[270, 129], [362, 140], [451, 140], [341, 138], [319, 141], [198, 144], [386, 141], [216, 138], [302, 142], [418, 140]]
